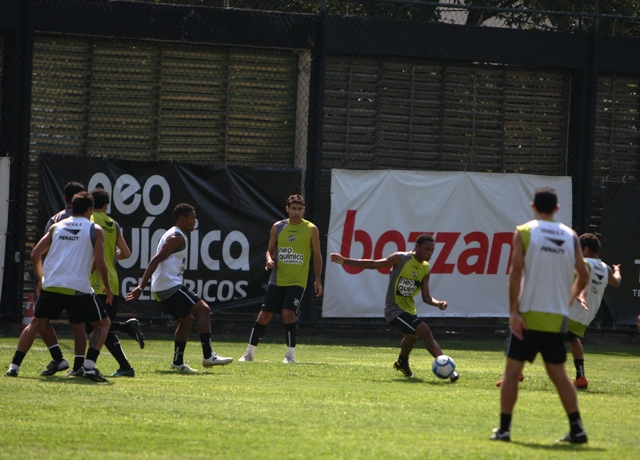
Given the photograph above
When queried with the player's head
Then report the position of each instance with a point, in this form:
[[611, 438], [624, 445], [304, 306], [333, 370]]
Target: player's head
[[425, 244], [182, 210], [295, 199], [81, 202], [590, 242], [71, 189], [100, 198], [545, 200]]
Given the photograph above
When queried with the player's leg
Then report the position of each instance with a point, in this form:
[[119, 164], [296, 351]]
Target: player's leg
[[272, 303], [577, 351], [424, 332], [27, 337], [290, 308], [49, 337]]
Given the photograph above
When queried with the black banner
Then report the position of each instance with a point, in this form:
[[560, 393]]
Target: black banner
[[235, 208], [621, 245]]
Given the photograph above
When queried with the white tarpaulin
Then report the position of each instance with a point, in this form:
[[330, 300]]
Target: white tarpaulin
[[472, 217], [4, 211]]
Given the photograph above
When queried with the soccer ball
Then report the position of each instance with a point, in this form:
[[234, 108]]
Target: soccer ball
[[443, 366]]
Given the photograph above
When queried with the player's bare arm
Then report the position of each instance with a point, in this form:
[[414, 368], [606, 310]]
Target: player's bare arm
[[615, 278], [123, 249], [171, 245], [393, 259], [271, 250], [582, 297], [317, 260], [427, 298], [516, 321], [101, 265], [582, 278], [40, 249]]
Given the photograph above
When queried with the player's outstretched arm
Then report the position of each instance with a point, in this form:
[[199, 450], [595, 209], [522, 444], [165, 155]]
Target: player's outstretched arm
[[392, 260], [615, 278]]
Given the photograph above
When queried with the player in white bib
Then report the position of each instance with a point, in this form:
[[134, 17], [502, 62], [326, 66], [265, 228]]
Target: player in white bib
[[587, 304], [165, 270]]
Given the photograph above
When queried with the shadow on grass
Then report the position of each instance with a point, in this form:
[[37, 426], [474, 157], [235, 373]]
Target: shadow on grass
[[563, 447], [71, 380]]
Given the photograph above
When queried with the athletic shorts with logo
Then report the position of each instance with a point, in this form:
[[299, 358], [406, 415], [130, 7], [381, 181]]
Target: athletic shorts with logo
[[549, 344], [406, 322], [81, 308], [278, 298], [181, 302]]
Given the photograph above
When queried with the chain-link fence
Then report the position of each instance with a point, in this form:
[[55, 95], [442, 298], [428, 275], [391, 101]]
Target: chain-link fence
[[540, 87]]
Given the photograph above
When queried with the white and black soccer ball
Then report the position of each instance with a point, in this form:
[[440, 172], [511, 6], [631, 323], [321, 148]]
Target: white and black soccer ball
[[443, 366]]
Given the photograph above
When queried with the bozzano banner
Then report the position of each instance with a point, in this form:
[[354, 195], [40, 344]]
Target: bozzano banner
[[472, 217]]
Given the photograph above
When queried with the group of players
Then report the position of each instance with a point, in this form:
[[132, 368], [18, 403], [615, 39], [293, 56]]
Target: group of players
[[75, 266]]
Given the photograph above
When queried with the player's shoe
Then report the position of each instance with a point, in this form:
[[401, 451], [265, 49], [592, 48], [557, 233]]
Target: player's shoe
[[582, 383], [11, 373], [216, 360], [500, 435], [247, 357], [92, 374], [289, 358], [124, 373], [73, 373], [55, 366], [135, 332], [183, 368], [404, 368], [520, 378], [577, 438], [454, 377]]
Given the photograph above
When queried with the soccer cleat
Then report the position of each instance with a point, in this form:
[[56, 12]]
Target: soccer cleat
[[135, 332], [74, 373], [247, 357], [11, 373], [520, 378], [216, 360], [454, 377], [92, 374], [183, 368], [500, 435], [124, 373], [582, 383], [55, 366], [574, 438], [404, 368], [289, 358]]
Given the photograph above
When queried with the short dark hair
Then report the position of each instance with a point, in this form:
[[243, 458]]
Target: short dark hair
[[295, 199], [591, 241], [71, 189], [545, 200], [182, 209], [423, 238], [80, 202], [100, 197]]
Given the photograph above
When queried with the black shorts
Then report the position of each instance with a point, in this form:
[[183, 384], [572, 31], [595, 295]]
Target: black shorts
[[81, 308], [112, 310], [406, 323], [278, 298], [549, 344], [180, 304], [570, 336]]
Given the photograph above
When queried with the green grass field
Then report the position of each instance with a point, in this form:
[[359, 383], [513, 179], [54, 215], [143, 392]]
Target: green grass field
[[338, 401]]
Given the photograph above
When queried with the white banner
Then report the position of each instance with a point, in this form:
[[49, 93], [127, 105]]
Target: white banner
[[472, 217], [4, 211]]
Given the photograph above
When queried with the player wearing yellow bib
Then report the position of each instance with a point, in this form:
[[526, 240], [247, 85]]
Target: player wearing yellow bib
[[542, 285], [587, 304], [292, 243], [409, 276], [115, 248]]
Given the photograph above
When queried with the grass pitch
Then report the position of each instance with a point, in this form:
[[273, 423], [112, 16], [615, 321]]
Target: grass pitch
[[339, 401]]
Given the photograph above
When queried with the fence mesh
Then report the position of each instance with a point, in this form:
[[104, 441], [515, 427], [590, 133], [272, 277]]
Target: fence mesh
[[194, 97]]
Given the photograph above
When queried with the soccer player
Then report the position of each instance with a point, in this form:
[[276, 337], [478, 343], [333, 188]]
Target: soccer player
[[71, 246], [48, 334], [542, 285], [292, 243], [588, 302], [166, 270], [115, 248], [410, 275]]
